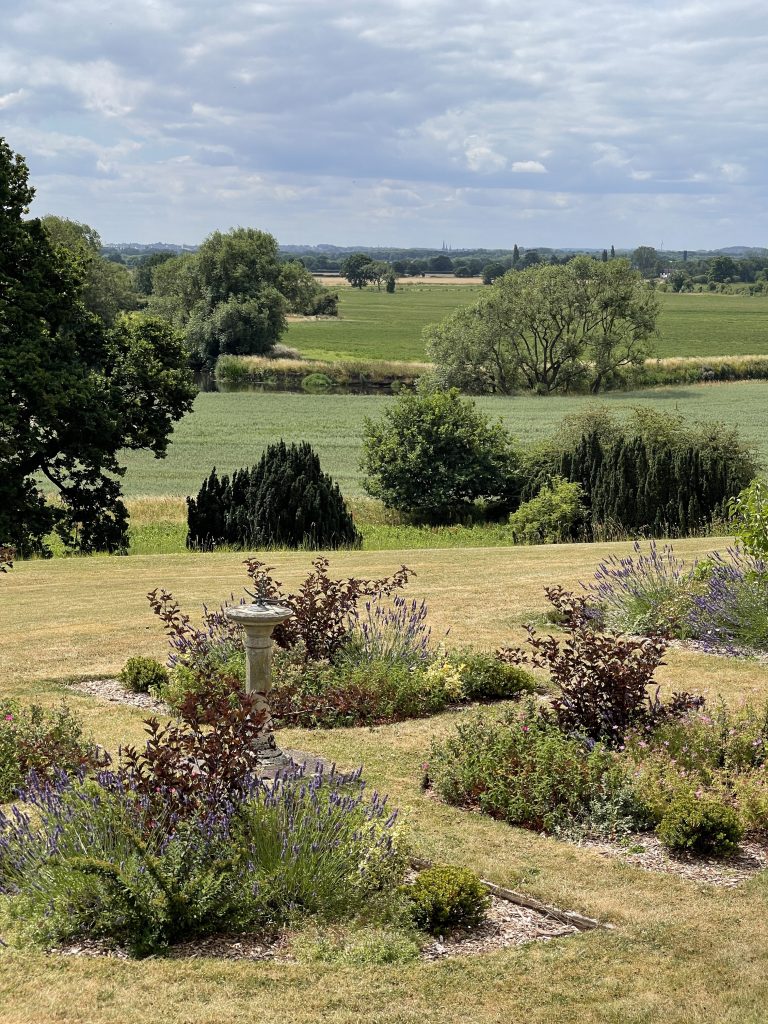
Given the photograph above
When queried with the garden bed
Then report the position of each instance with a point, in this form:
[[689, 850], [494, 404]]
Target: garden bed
[[643, 850], [507, 924], [112, 690]]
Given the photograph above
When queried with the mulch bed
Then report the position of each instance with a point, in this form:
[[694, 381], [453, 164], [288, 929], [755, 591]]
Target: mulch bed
[[645, 851], [506, 925]]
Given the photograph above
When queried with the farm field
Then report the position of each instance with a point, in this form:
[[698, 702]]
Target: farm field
[[680, 951], [230, 430], [375, 325]]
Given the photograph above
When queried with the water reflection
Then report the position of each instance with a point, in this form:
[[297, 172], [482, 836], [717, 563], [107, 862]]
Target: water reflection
[[206, 381]]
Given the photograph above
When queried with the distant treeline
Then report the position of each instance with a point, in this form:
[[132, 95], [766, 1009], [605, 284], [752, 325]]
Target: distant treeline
[[677, 270]]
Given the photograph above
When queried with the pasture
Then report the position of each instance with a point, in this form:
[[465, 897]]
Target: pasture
[[231, 430], [680, 951], [375, 325]]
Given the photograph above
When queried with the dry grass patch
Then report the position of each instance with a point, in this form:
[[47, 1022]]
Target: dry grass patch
[[86, 616]]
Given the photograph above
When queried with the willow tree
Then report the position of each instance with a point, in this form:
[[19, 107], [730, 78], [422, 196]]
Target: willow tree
[[548, 329]]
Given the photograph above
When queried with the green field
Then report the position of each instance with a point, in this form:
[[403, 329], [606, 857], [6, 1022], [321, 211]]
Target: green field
[[679, 952], [375, 325], [230, 430]]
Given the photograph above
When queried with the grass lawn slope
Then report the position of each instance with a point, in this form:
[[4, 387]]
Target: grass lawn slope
[[680, 951]]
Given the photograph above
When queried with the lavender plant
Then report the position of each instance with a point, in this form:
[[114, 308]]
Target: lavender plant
[[95, 859], [395, 632], [731, 611], [648, 592]]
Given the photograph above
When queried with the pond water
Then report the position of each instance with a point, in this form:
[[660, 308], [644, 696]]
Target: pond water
[[206, 381]]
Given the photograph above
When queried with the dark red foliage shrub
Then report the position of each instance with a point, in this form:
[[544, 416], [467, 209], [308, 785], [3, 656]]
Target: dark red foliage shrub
[[322, 606], [207, 754], [603, 679], [7, 554]]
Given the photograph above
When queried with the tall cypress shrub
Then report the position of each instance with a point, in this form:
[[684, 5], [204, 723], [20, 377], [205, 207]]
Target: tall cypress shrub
[[285, 500], [658, 475]]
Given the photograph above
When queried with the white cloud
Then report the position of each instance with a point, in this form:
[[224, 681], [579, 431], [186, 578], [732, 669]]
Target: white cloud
[[733, 172], [528, 167], [481, 156], [11, 97]]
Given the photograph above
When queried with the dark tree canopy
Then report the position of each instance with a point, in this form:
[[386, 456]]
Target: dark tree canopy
[[285, 500], [357, 269], [225, 298], [72, 391], [108, 288]]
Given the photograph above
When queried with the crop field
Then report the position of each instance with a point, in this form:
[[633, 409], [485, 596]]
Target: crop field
[[375, 325], [230, 430], [679, 951]]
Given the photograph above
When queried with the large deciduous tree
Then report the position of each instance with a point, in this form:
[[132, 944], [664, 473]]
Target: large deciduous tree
[[646, 259], [107, 286], [548, 329], [73, 392], [357, 269], [225, 297]]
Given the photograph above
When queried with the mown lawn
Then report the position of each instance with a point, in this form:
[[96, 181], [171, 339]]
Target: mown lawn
[[231, 430], [680, 952], [376, 325]]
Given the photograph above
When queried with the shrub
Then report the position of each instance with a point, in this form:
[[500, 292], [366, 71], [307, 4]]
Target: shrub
[[323, 608], [446, 898], [316, 382], [523, 770], [703, 826], [34, 739], [750, 512], [654, 472], [485, 678], [395, 631], [645, 593], [731, 609], [206, 756], [106, 859], [140, 674], [556, 514], [322, 612], [372, 694], [284, 501], [718, 752], [602, 679], [432, 455]]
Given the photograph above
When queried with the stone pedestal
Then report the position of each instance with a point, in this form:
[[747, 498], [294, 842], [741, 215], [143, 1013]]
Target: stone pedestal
[[258, 620]]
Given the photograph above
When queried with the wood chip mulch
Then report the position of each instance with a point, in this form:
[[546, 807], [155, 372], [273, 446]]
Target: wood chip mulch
[[114, 691], [645, 851], [506, 925]]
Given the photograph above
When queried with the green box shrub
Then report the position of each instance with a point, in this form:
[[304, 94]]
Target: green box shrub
[[484, 677], [704, 826], [139, 674], [446, 898]]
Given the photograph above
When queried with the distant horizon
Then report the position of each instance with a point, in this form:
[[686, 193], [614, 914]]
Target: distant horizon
[[437, 248]]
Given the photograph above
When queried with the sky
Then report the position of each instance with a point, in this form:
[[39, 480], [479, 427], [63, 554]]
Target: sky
[[479, 123]]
